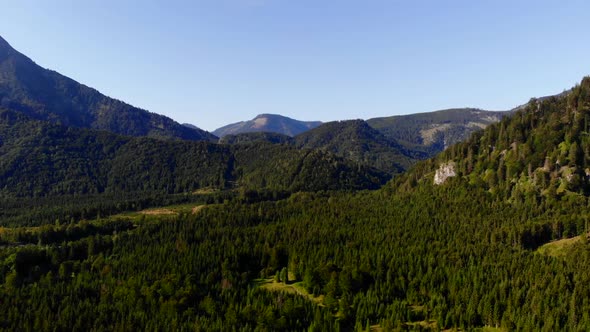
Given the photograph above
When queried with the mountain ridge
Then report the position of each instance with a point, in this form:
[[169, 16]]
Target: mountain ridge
[[47, 95], [436, 130], [430, 131], [267, 122]]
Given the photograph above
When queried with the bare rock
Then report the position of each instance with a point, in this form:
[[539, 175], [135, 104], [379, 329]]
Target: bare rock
[[445, 171]]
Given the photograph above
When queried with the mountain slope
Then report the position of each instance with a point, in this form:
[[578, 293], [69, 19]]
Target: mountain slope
[[539, 154], [42, 159], [268, 123], [47, 95], [435, 130], [356, 140]]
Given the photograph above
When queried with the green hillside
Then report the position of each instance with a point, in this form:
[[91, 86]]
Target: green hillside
[[42, 159], [256, 137], [357, 141], [541, 153]]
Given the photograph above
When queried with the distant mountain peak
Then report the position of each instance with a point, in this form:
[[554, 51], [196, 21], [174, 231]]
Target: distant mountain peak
[[266, 122], [272, 115]]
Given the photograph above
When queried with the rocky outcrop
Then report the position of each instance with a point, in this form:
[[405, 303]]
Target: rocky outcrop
[[445, 171]]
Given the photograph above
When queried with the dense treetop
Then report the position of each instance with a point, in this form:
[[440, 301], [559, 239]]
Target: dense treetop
[[256, 137]]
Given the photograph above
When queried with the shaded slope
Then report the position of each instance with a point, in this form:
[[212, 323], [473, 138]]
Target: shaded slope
[[47, 95]]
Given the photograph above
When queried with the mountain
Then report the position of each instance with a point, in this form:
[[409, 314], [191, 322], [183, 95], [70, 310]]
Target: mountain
[[391, 144], [191, 126], [539, 99], [541, 153], [269, 123], [435, 130], [38, 158], [47, 95], [357, 141]]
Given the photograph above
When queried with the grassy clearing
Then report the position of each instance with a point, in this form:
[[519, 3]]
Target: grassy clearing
[[206, 191], [157, 212], [558, 248], [164, 211], [174, 209], [417, 308], [297, 288], [197, 209]]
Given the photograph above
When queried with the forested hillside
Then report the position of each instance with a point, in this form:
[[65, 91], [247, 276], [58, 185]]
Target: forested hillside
[[356, 140], [47, 95], [539, 154], [42, 159], [256, 137]]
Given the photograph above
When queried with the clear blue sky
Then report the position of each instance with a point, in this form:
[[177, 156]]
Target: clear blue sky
[[213, 62]]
